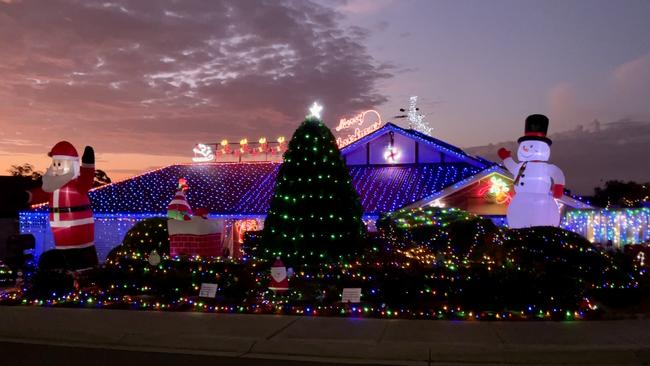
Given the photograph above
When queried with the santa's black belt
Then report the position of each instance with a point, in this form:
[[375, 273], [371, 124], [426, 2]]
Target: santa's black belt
[[69, 209]]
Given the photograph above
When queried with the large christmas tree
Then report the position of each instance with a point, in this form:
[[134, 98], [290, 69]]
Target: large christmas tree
[[315, 213]]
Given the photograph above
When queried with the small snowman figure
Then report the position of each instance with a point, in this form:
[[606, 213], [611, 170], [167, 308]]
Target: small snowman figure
[[537, 183], [154, 258]]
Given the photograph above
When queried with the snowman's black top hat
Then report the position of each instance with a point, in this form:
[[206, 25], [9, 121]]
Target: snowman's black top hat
[[536, 129]]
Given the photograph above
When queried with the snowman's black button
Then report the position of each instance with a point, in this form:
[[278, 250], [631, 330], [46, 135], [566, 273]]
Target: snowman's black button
[[523, 175], [522, 183]]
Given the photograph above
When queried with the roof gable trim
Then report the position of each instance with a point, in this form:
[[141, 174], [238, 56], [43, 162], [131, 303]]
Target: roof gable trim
[[425, 139]]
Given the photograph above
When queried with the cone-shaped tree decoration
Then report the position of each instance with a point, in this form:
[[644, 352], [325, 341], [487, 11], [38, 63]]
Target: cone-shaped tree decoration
[[315, 213]]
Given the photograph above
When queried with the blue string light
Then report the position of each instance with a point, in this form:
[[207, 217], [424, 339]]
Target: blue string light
[[236, 190]]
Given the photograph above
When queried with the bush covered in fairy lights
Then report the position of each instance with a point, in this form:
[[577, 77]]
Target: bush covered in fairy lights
[[537, 268], [435, 234], [7, 275], [465, 268], [144, 237]]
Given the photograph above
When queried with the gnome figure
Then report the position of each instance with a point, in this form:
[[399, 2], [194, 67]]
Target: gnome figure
[[65, 187], [537, 183]]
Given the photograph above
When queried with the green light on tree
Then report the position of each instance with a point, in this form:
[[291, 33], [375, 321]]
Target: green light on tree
[[315, 212]]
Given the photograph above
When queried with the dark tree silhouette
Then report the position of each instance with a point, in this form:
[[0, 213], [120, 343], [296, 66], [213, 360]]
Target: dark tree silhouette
[[101, 178], [25, 170], [617, 193]]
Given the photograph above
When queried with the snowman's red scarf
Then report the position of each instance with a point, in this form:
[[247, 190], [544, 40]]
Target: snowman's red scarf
[[522, 168]]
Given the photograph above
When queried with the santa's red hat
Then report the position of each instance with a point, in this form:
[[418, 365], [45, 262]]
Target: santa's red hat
[[63, 150]]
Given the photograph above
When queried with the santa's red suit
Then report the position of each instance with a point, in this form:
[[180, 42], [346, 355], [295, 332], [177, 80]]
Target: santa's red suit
[[279, 278], [71, 216]]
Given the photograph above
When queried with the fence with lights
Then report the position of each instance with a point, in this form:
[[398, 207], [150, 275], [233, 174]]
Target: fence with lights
[[244, 150]]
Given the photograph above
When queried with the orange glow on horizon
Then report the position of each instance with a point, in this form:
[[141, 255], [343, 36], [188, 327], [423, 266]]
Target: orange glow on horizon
[[118, 166]]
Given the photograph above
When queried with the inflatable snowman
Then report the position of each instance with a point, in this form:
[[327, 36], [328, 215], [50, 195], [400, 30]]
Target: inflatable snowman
[[537, 183]]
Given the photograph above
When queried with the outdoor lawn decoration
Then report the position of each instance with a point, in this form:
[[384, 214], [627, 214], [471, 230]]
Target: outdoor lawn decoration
[[448, 232], [145, 237], [315, 214], [279, 278], [537, 183], [469, 270], [65, 187], [429, 262], [7, 275], [196, 236], [178, 208], [192, 235]]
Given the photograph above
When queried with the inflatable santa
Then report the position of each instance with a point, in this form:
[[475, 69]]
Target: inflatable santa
[[65, 188], [537, 183]]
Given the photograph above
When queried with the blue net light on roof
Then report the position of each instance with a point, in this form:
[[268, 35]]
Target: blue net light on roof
[[246, 188]]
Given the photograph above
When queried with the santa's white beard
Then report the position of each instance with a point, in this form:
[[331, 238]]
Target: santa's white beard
[[53, 182]]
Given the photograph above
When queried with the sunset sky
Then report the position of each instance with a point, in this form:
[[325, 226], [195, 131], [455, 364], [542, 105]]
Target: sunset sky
[[143, 81]]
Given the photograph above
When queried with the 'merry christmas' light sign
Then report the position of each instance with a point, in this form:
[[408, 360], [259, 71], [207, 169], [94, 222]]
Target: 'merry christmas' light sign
[[356, 122]]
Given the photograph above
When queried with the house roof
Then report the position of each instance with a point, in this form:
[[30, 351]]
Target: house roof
[[245, 189], [422, 138], [464, 183], [239, 189]]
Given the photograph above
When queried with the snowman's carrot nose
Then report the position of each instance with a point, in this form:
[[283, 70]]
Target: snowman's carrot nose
[[525, 149]]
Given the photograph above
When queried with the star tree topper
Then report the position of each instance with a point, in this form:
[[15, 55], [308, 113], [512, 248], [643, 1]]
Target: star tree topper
[[314, 111]]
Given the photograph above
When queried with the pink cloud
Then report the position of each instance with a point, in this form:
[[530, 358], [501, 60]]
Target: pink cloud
[[565, 108], [623, 93], [364, 6], [136, 77], [632, 77]]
